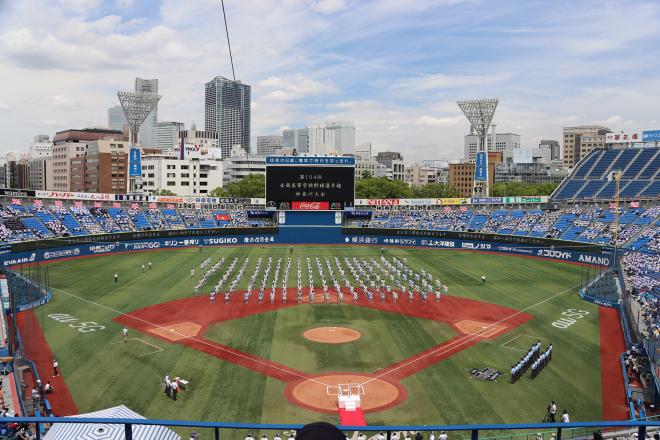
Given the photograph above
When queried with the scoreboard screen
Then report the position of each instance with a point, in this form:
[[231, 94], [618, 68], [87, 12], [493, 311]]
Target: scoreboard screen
[[310, 183]]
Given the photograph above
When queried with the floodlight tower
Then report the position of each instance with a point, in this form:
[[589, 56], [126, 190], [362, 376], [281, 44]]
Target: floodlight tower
[[480, 114], [136, 106]]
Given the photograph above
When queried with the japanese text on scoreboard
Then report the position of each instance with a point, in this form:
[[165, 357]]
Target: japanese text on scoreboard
[[310, 183]]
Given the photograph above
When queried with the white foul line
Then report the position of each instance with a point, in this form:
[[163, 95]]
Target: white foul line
[[470, 337], [201, 341]]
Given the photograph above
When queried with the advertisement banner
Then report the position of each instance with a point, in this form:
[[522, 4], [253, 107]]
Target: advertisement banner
[[74, 195], [310, 206], [481, 167], [486, 200], [622, 138], [526, 199], [382, 202], [170, 199], [309, 160], [134, 163], [453, 201], [651, 136], [17, 192], [417, 202]]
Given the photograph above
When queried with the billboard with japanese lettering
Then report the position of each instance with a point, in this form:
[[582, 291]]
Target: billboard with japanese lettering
[[310, 183]]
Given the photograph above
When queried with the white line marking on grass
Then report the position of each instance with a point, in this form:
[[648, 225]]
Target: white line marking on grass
[[158, 349], [201, 341], [460, 341], [505, 345]]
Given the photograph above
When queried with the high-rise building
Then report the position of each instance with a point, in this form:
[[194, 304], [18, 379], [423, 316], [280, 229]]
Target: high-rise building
[[363, 151], [321, 141], [239, 164], [269, 144], [580, 140], [166, 135], [72, 144], [148, 126], [503, 141], [344, 133], [227, 111], [296, 139], [555, 149], [117, 119]]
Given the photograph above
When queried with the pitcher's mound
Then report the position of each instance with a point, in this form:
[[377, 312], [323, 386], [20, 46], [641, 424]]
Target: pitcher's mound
[[320, 393], [332, 335], [177, 332], [481, 329]]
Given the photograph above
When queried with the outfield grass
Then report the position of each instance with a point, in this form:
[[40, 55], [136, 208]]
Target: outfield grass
[[100, 373]]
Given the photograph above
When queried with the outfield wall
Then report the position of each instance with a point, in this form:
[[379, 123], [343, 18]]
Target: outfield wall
[[58, 249]]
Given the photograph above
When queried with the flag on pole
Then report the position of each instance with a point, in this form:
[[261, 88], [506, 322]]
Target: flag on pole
[[38, 204], [170, 206], [98, 205], [116, 205], [16, 202], [447, 209], [78, 204], [634, 204], [152, 206], [134, 206], [58, 203], [463, 208], [612, 205]]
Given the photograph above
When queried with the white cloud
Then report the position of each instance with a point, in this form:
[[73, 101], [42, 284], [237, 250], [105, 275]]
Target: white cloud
[[125, 4], [445, 81], [296, 87], [329, 6], [432, 121], [61, 101]]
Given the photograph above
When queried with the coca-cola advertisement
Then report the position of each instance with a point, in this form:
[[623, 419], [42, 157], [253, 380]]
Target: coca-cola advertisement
[[310, 187], [310, 206]]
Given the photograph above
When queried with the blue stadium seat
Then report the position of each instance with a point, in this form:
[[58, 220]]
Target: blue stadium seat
[[587, 163], [653, 190], [569, 190], [603, 164], [652, 168], [591, 188], [642, 159], [633, 188], [626, 157]]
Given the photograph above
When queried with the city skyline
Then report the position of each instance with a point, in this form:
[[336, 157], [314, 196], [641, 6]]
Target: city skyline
[[395, 71]]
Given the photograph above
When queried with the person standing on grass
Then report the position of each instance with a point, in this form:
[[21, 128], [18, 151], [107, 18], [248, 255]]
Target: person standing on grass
[[553, 412], [143, 268], [483, 279], [150, 265], [442, 436], [125, 332], [175, 389], [56, 368], [565, 417], [116, 278]]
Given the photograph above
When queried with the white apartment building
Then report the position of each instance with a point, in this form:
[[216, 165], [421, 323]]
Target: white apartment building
[[268, 145], [241, 164], [166, 135], [344, 133], [321, 141], [502, 142], [187, 178]]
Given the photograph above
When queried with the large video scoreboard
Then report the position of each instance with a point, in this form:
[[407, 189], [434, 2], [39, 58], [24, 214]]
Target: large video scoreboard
[[310, 183]]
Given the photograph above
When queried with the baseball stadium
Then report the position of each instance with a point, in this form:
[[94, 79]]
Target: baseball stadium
[[486, 316]]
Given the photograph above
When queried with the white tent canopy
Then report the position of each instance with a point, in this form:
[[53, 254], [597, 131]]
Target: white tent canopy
[[80, 431]]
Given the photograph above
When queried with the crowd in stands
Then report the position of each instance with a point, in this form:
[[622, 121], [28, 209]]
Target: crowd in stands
[[642, 274], [586, 224], [34, 219], [639, 228]]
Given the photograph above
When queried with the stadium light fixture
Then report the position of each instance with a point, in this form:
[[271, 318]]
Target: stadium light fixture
[[136, 106], [480, 114]]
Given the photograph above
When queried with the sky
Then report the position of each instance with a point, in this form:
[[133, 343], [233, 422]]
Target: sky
[[394, 67]]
